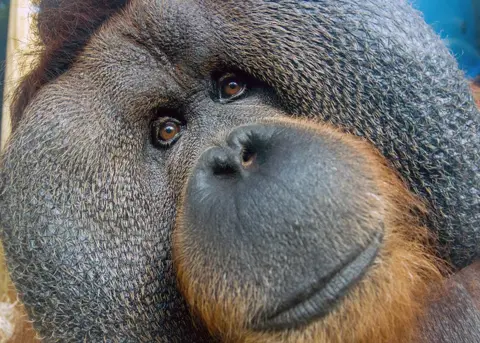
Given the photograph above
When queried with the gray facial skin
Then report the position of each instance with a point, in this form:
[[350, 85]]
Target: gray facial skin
[[88, 202]]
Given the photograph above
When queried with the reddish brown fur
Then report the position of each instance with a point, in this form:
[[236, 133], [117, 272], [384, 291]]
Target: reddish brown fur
[[475, 86], [383, 307], [23, 331]]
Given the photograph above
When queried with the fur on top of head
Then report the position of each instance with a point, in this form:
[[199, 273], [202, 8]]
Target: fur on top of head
[[64, 28]]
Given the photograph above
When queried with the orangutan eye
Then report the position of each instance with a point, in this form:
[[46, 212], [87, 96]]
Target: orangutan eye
[[165, 131], [230, 87]]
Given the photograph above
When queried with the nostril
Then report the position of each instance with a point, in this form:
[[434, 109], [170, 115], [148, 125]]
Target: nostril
[[248, 156], [221, 162], [221, 168], [218, 161]]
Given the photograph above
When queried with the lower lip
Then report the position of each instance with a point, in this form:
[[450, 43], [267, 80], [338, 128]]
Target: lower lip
[[320, 303]]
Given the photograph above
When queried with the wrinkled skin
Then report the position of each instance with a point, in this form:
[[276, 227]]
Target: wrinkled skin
[[89, 203]]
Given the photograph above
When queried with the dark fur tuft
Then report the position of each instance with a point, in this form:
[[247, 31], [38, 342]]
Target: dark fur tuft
[[64, 27]]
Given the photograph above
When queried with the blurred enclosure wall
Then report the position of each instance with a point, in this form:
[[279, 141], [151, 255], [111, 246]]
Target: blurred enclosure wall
[[15, 39], [18, 20]]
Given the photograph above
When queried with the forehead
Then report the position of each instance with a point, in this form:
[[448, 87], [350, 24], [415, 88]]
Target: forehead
[[169, 30], [189, 28]]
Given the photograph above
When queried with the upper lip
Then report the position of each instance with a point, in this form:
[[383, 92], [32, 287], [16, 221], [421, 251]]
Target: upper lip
[[300, 310]]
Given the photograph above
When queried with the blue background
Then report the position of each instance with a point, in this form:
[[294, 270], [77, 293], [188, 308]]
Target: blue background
[[458, 23]]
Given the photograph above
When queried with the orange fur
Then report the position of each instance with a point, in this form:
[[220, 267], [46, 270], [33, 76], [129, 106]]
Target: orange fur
[[383, 307], [14, 324]]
